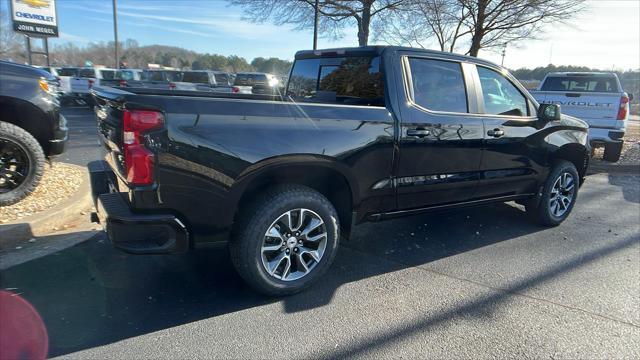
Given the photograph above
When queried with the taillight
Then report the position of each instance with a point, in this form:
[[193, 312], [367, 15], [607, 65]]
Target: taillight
[[123, 83], [235, 90], [624, 107], [90, 83], [138, 160], [172, 86]]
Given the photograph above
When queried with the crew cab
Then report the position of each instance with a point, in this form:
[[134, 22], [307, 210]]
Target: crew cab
[[361, 134], [595, 97]]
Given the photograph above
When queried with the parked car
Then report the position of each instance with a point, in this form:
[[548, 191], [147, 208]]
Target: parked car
[[121, 78], [598, 99], [206, 80], [31, 128], [363, 134], [255, 83]]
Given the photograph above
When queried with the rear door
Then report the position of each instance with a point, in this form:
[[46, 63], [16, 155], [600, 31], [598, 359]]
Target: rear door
[[441, 138], [592, 98], [512, 157]]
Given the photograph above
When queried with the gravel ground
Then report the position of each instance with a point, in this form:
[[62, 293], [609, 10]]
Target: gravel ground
[[59, 182]]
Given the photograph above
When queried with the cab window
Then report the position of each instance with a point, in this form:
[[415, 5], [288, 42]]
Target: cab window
[[438, 85], [500, 96]]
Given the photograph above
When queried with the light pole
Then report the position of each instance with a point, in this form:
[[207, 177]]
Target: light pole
[[316, 17], [115, 30], [504, 52]]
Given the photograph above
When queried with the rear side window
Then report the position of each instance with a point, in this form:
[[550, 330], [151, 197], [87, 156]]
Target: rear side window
[[195, 77], [500, 96], [348, 80], [87, 73], [68, 72], [438, 85], [581, 84]]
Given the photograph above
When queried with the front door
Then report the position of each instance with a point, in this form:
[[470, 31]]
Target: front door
[[512, 158], [440, 141]]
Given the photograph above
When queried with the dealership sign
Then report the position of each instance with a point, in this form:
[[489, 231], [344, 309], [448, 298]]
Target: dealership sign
[[35, 17]]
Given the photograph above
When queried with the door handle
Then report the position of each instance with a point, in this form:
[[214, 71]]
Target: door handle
[[418, 132], [495, 132]]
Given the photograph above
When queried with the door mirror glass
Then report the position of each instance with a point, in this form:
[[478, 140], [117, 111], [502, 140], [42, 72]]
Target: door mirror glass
[[549, 112]]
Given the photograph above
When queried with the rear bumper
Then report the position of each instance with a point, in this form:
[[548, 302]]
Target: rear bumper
[[602, 135], [136, 233]]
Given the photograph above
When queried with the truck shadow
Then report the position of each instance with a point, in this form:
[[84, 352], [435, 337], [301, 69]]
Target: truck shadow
[[91, 295]]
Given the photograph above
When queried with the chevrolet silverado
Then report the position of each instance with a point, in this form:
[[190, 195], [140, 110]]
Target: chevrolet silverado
[[360, 134]]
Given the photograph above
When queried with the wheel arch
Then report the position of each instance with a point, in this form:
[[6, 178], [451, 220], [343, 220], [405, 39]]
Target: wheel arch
[[575, 153], [28, 117], [322, 174]]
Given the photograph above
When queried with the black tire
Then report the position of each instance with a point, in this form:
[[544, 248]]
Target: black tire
[[612, 152], [249, 234], [16, 137], [541, 209]]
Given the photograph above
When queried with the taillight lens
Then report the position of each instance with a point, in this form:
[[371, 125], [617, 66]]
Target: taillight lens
[[172, 86], [235, 90], [90, 84], [624, 107], [139, 160], [123, 83]]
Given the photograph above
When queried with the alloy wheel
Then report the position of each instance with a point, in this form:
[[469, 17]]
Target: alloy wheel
[[562, 194], [294, 244]]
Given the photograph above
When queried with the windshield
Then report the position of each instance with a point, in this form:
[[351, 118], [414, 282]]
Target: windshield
[[581, 84]]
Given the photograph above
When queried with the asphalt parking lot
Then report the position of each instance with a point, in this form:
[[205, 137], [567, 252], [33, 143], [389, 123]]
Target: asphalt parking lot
[[476, 283]]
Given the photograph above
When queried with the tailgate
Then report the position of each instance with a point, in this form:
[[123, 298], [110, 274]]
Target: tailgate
[[597, 109], [79, 85]]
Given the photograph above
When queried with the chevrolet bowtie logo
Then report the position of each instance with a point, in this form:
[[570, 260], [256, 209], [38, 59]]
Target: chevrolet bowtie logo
[[36, 3]]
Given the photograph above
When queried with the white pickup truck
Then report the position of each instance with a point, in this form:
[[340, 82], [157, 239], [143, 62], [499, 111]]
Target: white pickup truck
[[595, 97]]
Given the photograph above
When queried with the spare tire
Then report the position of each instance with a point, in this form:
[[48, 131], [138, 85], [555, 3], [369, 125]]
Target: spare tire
[[21, 163]]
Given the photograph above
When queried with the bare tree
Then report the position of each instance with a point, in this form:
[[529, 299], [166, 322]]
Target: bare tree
[[12, 44], [335, 15], [479, 24]]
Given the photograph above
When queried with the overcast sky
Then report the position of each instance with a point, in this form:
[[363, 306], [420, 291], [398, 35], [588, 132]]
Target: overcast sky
[[606, 36]]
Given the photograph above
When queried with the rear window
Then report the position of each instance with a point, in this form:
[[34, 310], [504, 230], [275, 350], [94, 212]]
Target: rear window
[[173, 75], [124, 75], [153, 76], [87, 73], [222, 79], [195, 77], [251, 79], [68, 72], [581, 84], [108, 74], [348, 80]]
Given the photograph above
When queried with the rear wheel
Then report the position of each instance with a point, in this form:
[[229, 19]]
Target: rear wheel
[[612, 151], [559, 195], [21, 163], [286, 241]]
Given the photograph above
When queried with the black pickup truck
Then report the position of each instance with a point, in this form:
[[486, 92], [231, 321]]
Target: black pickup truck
[[31, 128], [361, 134]]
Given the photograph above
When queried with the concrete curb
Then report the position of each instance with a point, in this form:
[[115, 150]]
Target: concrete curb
[[43, 223], [614, 169]]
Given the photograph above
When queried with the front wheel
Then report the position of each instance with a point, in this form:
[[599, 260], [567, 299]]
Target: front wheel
[[21, 163], [286, 241], [558, 196]]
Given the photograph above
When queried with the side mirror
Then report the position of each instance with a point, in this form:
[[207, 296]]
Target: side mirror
[[549, 112], [630, 97]]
